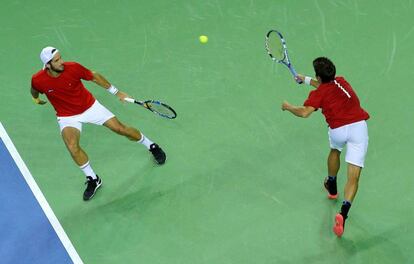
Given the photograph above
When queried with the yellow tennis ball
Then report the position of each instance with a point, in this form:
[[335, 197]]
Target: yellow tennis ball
[[203, 39]]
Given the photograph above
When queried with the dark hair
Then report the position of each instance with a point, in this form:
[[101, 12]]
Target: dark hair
[[325, 69], [53, 50]]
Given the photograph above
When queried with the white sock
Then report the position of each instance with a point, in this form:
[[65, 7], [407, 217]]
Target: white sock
[[145, 141], [87, 169]]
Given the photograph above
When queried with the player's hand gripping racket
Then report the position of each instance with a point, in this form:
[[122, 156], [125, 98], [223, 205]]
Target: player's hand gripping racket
[[156, 107], [276, 48]]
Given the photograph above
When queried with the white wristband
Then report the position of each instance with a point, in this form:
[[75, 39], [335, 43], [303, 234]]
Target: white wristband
[[308, 80], [113, 90]]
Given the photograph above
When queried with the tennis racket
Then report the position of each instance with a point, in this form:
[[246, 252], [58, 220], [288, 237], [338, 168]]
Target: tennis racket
[[275, 46], [156, 107]]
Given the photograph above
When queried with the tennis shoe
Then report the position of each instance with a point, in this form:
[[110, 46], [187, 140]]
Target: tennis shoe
[[330, 186], [339, 226], [158, 153], [91, 186]]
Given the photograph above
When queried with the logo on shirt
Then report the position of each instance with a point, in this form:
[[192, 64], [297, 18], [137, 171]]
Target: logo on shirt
[[50, 90]]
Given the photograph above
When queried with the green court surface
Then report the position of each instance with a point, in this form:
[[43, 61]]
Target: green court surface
[[243, 180]]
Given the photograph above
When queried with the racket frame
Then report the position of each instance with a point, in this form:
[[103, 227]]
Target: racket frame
[[147, 105], [285, 60]]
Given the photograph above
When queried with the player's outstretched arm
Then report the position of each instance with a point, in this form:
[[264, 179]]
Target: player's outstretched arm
[[308, 80], [101, 81], [35, 97], [300, 111]]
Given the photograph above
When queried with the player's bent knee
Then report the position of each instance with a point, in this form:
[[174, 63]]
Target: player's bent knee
[[73, 147]]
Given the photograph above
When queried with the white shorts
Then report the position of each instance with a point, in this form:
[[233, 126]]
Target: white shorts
[[355, 136], [96, 114]]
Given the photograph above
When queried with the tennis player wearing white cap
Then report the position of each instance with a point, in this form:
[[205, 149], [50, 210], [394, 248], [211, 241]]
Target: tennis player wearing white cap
[[61, 82]]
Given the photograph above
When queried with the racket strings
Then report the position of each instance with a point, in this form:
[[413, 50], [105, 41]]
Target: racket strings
[[274, 46], [160, 109]]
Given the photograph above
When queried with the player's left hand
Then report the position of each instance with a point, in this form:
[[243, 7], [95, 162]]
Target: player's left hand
[[122, 96], [285, 105], [38, 101]]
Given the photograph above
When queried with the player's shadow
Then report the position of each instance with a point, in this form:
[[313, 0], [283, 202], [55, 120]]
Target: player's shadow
[[345, 248], [135, 192], [139, 201]]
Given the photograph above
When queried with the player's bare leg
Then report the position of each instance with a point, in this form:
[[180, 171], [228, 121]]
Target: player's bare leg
[[351, 188], [131, 133], [71, 137], [333, 162], [135, 135], [333, 168]]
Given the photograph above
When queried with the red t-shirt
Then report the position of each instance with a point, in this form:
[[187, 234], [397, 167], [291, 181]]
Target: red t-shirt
[[66, 92], [340, 104]]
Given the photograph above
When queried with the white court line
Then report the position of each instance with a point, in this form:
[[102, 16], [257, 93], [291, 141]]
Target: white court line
[[323, 20], [272, 197], [392, 55], [40, 197]]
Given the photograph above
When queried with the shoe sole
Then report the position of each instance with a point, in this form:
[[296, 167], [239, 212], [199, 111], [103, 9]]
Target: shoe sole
[[339, 225], [160, 162], [332, 197], [97, 187]]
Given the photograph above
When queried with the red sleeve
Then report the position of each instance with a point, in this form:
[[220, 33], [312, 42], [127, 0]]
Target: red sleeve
[[34, 86], [84, 73], [314, 99]]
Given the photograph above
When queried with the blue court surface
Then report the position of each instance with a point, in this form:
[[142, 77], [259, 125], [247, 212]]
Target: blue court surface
[[29, 231]]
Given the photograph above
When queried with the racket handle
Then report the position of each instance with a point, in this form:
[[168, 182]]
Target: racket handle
[[299, 81], [295, 74], [130, 100]]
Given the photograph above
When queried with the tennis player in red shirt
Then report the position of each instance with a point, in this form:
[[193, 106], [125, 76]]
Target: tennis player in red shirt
[[347, 126], [61, 82]]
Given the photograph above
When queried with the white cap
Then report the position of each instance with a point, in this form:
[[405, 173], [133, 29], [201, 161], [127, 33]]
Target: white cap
[[47, 54]]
